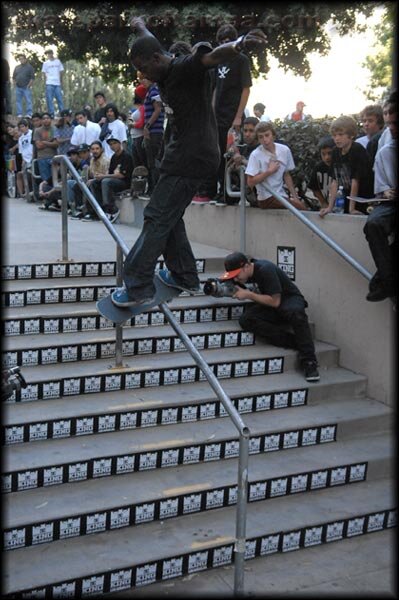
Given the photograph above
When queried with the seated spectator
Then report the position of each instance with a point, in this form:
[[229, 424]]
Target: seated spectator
[[136, 127], [320, 179], [241, 157], [46, 146], [259, 112], [99, 115], [64, 130], [351, 168], [271, 163], [86, 131], [99, 165], [49, 197], [381, 222], [372, 122], [80, 158], [112, 127], [116, 180]]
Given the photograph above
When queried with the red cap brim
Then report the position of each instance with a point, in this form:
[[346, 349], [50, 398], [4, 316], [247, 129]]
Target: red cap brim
[[230, 274]]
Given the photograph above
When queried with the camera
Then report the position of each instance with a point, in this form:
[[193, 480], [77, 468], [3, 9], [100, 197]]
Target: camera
[[219, 289], [13, 380]]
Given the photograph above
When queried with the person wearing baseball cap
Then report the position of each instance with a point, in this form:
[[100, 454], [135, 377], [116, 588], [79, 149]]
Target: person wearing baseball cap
[[277, 308]]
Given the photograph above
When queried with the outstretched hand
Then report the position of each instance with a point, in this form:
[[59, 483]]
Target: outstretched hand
[[254, 39]]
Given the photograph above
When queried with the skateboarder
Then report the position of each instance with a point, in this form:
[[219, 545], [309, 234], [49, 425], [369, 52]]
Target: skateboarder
[[190, 155]]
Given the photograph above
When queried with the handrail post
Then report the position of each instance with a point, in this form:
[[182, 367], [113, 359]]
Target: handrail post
[[241, 514], [119, 328], [243, 202], [64, 209]]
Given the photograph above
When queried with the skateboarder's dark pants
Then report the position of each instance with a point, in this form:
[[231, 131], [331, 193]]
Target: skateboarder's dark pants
[[164, 233]]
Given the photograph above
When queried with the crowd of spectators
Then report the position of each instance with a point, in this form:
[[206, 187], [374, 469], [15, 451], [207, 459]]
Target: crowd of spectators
[[111, 144]]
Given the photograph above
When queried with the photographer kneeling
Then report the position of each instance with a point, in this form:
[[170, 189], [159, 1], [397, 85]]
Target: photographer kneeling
[[278, 310]]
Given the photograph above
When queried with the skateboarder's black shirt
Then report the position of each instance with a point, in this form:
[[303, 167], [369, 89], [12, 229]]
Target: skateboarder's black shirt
[[192, 149]]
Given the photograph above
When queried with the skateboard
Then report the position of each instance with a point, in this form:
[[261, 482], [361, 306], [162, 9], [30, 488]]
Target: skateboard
[[118, 314], [367, 200]]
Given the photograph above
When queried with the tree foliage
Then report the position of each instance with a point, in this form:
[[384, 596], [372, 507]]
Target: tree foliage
[[99, 36], [380, 64]]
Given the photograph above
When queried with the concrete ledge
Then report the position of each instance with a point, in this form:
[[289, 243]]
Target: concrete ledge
[[336, 292], [131, 210]]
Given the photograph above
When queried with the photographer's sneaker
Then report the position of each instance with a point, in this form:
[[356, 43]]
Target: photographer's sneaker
[[121, 298], [165, 276], [310, 371]]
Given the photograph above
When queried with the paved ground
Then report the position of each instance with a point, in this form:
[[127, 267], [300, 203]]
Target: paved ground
[[360, 567], [32, 235]]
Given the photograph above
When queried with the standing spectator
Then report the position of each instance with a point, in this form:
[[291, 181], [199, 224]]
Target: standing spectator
[[233, 83], [112, 127], [259, 112], [320, 178], [99, 115], [298, 114], [116, 180], [46, 146], [36, 122], [23, 77], [52, 70], [136, 127], [14, 148], [5, 79], [241, 157], [373, 123], [154, 115], [381, 222], [86, 131], [271, 163], [64, 130], [26, 151], [351, 167], [385, 136]]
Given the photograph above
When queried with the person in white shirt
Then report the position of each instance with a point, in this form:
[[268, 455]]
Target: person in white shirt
[[271, 163], [52, 70], [25, 148], [86, 132], [112, 128]]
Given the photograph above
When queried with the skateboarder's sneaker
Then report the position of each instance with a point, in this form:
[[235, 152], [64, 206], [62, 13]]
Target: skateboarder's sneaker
[[121, 298], [166, 277]]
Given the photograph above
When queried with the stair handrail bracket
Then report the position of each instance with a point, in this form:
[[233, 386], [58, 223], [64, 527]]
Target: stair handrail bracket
[[243, 430]]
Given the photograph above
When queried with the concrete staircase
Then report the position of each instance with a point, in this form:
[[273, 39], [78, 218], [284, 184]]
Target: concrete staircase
[[115, 478]]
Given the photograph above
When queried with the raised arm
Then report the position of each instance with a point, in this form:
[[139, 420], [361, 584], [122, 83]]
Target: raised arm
[[253, 39]]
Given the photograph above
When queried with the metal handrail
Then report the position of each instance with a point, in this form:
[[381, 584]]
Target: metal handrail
[[329, 241], [243, 430]]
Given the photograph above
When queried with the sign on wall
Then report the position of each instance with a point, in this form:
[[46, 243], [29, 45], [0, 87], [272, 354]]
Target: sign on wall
[[286, 260]]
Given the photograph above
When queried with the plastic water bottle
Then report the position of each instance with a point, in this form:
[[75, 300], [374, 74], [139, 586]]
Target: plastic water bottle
[[340, 201]]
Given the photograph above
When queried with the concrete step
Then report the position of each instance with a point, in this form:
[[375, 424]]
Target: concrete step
[[22, 293], [57, 380], [360, 566], [58, 270], [29, 421], [176, 547], [78, 316], [33, 350], [140, 497], [53, 462]]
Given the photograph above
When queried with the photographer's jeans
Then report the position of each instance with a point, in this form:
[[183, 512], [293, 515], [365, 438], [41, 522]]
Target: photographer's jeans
[[23, 93], [164, 233], [271, 323], [54, 91]]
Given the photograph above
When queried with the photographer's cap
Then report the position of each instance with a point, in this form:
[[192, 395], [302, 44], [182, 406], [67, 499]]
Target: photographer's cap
[[233, 264]]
